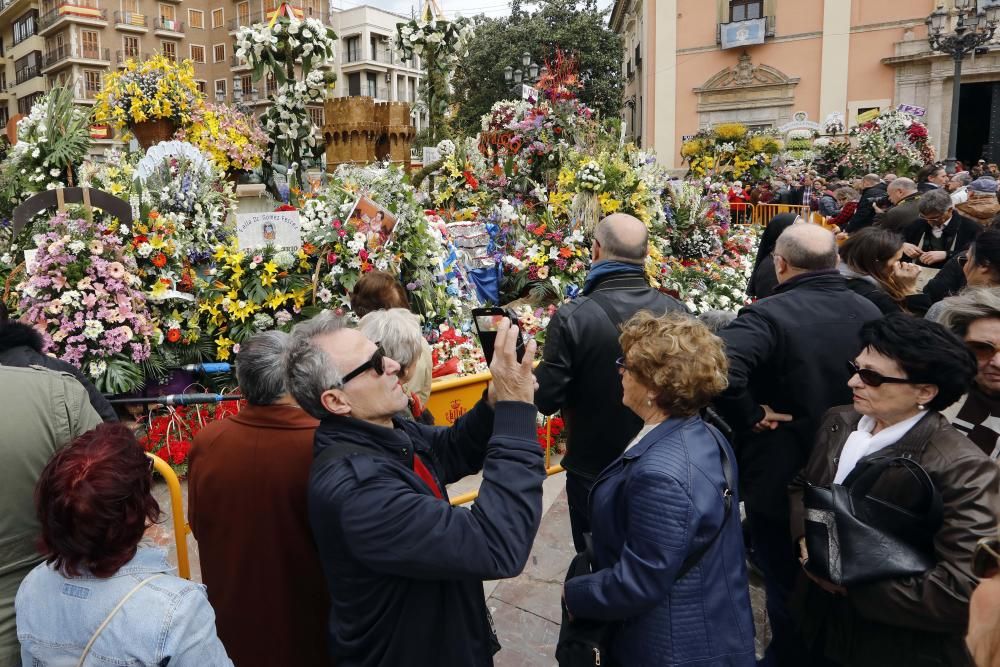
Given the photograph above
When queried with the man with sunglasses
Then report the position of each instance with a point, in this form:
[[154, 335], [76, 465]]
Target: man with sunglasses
[[404, 568], [974, 315]]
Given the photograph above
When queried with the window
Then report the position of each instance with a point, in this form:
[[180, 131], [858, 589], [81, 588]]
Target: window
[[218, 17], [169, 50], [4, 116], [243, 13], [311, 9], [270, 6], [202, 86], [220, 89], [91, 45], [244, 84], [130, 6], [91, 83], [354, 84], [3, 81], [218, 53], [271, 85], [316, 116], [27, 67], [372, 89], [130, 46], [24, 104], [353, 49], [24, 27], [197, 53], [196, 18], [167, 13], [744, 10]]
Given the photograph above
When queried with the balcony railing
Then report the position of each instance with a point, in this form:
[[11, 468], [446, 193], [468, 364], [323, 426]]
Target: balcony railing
[[26, 74], [385, 56], [131, 19], [83, 53], [122, 57], [72, 10], [238, 63], [169, 25]]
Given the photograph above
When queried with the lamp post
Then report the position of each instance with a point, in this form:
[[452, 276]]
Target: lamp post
[[529, 75], [973, 29]]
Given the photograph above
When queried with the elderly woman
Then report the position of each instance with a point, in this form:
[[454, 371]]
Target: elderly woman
[[940, 233], [907, 371], [398, 331], [99, 598], [847, 201], [668, 555], [870, 261]]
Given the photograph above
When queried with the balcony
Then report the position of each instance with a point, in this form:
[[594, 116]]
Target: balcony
[[88, 95], [381, 56], [131, 22], [26, 74], [753, 35], [168, 28], [85, 13], [66, 54], [122, 57], [234, 24], [238, 63]]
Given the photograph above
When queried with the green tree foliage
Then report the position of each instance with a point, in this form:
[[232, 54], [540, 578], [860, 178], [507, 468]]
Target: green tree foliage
[[577, 27]]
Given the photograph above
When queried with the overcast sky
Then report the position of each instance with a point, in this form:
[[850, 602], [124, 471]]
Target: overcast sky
[[450, 7]]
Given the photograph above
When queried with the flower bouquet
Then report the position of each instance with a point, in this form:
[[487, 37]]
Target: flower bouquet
[[551, 261], [151, 98], [170, 435], [454, 353], [232, 139], [85, 298]]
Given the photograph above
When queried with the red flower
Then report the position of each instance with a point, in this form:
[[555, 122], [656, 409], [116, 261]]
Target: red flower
[[159, 260], [174, 335], [285, 207], [179, 451], [139, 240], [470, 180]]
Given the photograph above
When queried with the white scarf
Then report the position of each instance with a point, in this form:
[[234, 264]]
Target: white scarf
[[862, 443]]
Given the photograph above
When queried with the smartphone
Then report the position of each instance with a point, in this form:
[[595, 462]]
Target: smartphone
[[487, 321]]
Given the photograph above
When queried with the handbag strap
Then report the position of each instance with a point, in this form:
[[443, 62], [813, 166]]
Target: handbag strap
[[727, 500], [598, 297], [861, 484], [121, 603]]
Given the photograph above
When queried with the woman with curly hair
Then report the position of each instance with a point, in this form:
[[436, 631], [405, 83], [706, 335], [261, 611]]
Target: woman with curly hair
[[99, 598], [668, 557]]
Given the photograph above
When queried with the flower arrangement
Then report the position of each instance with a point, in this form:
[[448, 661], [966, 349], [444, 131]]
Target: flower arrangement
[[551, 260], [232, 139], [893, 142], [158, 88], [454, 353], [550, 433], [694, 223], [590, 177], [730, 150], [83, 295], [171, 434]]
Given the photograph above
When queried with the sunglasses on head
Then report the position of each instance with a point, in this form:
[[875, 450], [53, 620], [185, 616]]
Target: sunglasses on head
[[986, 558], [374, 363], [874, 378]]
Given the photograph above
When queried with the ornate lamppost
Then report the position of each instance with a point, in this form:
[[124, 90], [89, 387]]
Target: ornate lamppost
[[529, 75], [973, 29]]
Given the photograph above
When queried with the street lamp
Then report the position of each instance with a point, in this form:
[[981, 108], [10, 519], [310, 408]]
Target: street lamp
[[529, 75], [972, 30]]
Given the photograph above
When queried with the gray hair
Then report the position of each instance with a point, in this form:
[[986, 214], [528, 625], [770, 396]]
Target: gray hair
[[903, 185], [975, 303], [398, 331], [717, 320], [962, 178], [309, 371], [260, 367], [871, 179], [847, 194], [935, 201]]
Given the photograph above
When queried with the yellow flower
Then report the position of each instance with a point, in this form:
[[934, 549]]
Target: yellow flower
[[276, 300], [608, 203], [268, 279], [271, 267], [223, 344], [220, 253]]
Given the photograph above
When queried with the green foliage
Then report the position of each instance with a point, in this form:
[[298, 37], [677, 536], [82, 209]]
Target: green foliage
[[576, 27]]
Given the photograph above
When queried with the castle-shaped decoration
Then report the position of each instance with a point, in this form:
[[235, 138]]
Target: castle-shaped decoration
[[360, 130]]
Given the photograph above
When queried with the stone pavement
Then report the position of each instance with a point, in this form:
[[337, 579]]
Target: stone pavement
[[526, 608]]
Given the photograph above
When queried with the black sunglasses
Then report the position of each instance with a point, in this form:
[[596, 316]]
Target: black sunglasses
[[984, 351], [374, 363], [986, 558], [873, 378]]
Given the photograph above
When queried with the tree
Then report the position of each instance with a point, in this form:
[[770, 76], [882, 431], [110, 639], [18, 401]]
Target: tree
[[571, 25]]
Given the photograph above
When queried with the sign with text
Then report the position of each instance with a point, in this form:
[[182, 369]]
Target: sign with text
[[912, 110], [279, 229], [431, 155], [743, 33], [871, 114], [529, 94]]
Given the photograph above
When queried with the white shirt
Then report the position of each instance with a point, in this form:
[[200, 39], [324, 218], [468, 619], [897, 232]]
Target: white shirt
[[938, 232], [861, 442], [642, 434]]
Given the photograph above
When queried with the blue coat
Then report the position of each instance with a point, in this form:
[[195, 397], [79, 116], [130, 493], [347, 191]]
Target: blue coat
[[654, 505]]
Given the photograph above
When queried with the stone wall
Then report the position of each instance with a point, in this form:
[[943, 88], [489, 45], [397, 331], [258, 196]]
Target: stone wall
[[361, 130]]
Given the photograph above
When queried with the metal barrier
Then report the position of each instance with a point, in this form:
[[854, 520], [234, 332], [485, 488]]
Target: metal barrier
[[762, 213], [181, 528]]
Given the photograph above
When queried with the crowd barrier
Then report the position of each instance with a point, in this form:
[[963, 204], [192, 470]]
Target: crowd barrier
[[181, 528]]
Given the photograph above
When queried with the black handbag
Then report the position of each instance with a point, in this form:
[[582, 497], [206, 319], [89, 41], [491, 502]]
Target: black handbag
[[585, 642], [854, 538]]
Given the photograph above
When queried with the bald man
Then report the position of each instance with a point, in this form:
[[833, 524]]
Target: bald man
[[788, 358], [578, 374]]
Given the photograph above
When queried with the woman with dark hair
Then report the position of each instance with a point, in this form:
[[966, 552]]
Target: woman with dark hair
[[979, 266], [908, 370], [99, 598], [931, 177], [763, 280], [870, 261], [378, 290]]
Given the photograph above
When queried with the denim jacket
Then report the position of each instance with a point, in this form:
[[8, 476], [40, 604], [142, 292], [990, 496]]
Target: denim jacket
[[166, 622]]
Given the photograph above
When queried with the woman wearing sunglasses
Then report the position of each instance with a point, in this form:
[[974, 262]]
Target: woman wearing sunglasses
[[907, 371]]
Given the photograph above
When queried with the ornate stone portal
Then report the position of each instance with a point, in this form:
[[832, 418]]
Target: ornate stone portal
[[757, 95], [360, 130]]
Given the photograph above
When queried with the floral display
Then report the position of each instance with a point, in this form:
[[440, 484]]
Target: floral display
[[170, 434], [551, 260], [893, 142], [455, 353], [153, 89], [231, 138], [83, 294], [731, 151]]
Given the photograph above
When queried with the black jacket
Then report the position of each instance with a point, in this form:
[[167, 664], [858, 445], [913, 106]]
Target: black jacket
[[875, 294], [764, 280], [405, 569], [790, 352], [865, 214], [21, 346], [957, 236], [900, 216], [578, 373]]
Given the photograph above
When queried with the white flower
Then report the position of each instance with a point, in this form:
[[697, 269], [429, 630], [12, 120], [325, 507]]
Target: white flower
[[93, 329], [98, 368]]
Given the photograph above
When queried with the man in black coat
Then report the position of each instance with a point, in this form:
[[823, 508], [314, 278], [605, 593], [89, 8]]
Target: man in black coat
[[578, 373], [788, 359], [873, 190], [940, 233], [21, 345], [404, 568], [905, 206]]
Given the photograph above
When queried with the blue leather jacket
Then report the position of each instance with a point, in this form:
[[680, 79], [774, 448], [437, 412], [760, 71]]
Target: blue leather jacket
[[167, 622], [654, 505]]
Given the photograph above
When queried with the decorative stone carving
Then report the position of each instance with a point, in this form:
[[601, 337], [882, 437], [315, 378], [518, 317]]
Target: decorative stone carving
[[359, 130], [748, 93]]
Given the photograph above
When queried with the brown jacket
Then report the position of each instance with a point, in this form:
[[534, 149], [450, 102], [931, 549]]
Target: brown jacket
[[981, 207], [911, 620], [247, 508]]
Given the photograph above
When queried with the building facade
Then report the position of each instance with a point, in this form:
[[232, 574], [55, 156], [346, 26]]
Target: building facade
[[75, 43], [690, 64]]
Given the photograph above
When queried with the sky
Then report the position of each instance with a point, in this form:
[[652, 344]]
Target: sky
[[450, 7]]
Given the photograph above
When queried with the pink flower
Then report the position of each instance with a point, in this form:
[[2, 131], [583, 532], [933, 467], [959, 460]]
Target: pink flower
[[116, 270]]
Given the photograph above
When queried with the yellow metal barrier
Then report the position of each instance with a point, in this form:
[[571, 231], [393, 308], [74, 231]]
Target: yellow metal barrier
[[452, 397], [762, 213], [181, 529]]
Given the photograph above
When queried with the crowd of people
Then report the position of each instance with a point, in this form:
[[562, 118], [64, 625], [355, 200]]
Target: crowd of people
[[868, 364]]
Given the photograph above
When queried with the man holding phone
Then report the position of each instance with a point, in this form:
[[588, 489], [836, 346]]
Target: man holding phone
[[578, 373]]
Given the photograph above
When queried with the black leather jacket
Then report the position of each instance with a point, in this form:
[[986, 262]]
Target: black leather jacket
[[578, 373]]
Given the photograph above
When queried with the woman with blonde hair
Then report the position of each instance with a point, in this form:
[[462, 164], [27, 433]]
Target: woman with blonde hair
[[669, 572]]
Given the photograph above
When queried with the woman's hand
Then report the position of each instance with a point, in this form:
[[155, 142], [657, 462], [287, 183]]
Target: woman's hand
[[827, 586]]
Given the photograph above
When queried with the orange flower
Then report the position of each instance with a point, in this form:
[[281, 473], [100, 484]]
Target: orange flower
[[565, 252], [540, 229], [159, 260], [153, 215], [174, 335], [308, 248]]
